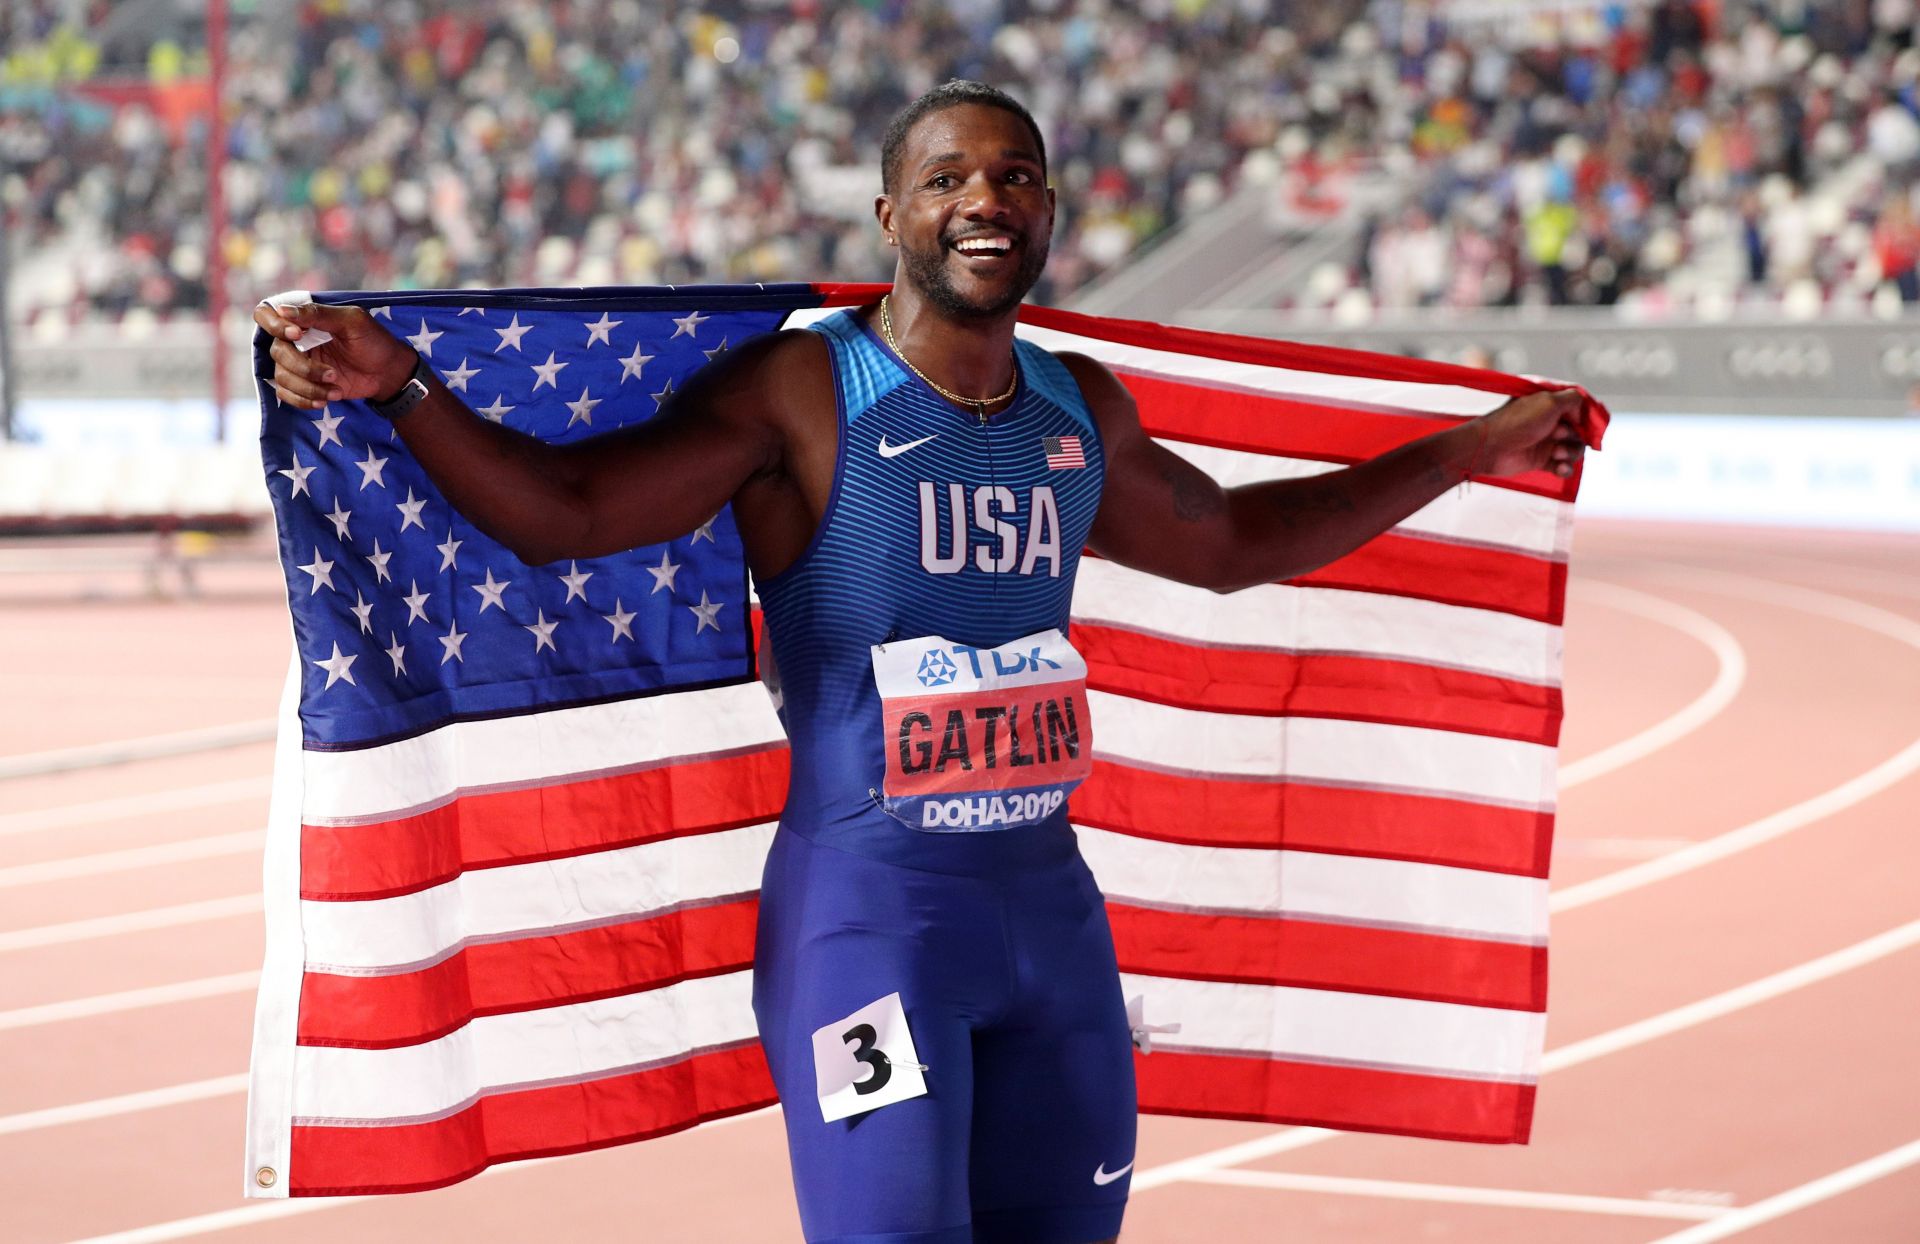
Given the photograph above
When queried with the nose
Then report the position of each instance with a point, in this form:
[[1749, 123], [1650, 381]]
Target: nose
[[986, 199]]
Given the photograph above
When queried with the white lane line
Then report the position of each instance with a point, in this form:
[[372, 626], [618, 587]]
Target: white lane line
[[1510, 1198], [128, 922], [128, 1000], [1887, 773], [1737, 999], [221, 1220], [124, 751], [126, 1103], [1823, 1189], [1618, 848], [127, 807], [101, 862], [1729, 676], [1693, 1014]]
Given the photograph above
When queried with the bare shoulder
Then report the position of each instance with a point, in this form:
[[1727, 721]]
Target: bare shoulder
[[1112, 406], [772, 373]]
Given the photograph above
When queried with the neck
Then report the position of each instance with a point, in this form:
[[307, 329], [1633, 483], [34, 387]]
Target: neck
[[970, 355]]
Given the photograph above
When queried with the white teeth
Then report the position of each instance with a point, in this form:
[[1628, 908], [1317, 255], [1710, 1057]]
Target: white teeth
[[985, 246]]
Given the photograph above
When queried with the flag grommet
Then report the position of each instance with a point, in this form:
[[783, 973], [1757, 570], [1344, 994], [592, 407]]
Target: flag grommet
[[266, 1177]]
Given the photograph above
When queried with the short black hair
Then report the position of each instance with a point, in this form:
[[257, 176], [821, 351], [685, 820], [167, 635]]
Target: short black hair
[[948, 95]]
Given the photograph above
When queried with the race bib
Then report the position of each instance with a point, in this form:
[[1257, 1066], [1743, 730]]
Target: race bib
[[866, 1061], [982, 738]]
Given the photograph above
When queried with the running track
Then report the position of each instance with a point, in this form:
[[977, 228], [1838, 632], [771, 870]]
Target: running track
[[1736, 959]]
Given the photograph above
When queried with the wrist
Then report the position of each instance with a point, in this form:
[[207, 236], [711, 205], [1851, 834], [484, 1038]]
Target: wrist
[[1469, 456], [412, 391], [396, 378]]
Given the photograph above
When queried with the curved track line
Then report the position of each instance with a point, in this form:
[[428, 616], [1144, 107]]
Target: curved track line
[[1887, 773], [1825, 1188], [129, 922], [1727, 679], [102, 862], [125, 751]]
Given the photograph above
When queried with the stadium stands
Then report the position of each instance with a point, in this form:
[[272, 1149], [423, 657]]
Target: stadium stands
[[1658, 153]]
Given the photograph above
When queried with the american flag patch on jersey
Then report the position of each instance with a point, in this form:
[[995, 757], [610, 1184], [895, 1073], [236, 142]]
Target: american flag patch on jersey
[[1063, 453]]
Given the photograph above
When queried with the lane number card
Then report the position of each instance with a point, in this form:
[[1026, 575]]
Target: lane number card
[[866, 1061]]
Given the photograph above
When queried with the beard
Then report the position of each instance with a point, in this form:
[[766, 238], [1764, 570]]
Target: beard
[[928, 272]]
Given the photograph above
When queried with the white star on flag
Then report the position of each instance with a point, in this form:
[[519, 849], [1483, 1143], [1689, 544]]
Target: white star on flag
[[458, 377], [717, 351], [663, 573], [543, 631], [490, 591], [582, 409], [410, 511], [576, 581], [630, 366], [688, 325], [498, 410], [329, 425], [424, 339], [381, 313], [706, 614], [447, 551], [512, 333], [338, 667], [339, 519], [547, 372], [298, 474], [479, 311], [397, 654], [660, 398], [371, 470], [363, 610], [705, 531], [417, 603], [621, 621], [321, 570], [451, 641], [379, 561], [602, 329]]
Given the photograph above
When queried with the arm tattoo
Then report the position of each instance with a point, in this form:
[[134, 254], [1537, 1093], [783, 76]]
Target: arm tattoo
[[1195, 500], [1310, 498]]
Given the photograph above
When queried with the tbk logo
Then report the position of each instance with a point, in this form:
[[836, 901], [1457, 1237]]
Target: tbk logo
[[937, 669]]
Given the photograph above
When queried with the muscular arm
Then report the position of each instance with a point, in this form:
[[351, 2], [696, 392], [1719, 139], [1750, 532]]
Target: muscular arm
[[641, 485], [1163, 515]]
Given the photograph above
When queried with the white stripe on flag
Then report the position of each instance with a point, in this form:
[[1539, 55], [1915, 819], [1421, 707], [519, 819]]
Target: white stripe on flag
[[414, 930], [585, 1041], [1323, 620], [1347, 888], [1503, 518], [468, 757], [1438, 399], [1356, 754], [1350, 1029]]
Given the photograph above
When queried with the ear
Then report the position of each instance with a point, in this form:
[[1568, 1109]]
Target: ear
[[883, 212]]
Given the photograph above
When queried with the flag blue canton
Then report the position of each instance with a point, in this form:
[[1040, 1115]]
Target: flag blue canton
[[407, 617]]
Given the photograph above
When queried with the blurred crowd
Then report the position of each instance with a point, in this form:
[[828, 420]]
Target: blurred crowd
[[1674, 151]]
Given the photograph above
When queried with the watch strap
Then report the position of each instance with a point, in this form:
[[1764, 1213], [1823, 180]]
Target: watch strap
[[411, 394]]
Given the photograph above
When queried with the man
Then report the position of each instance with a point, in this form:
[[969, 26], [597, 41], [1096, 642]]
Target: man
[[914, 488]]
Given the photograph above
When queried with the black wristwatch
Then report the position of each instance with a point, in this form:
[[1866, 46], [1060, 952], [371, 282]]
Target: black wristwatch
[[411, 394]]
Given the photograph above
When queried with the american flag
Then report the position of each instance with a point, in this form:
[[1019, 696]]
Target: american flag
[[519, 811], [1063, 453]]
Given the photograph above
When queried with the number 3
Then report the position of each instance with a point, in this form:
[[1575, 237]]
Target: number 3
[[862, 1037]]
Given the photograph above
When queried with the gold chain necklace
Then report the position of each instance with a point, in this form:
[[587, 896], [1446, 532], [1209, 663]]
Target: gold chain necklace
[[979, 404]]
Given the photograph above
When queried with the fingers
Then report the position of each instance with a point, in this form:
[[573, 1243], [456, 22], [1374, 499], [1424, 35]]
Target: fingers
[[275, 321]]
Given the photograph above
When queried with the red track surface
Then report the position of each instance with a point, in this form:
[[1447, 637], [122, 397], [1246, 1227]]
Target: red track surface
[[1770, 1091]]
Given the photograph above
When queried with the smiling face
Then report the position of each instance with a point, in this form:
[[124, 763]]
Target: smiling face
[[970, 211]]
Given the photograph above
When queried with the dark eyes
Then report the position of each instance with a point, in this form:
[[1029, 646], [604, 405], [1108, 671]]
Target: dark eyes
[[947, 181]]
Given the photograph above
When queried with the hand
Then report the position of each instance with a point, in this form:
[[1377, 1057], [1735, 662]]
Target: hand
[[363, 360], [1537, 432]]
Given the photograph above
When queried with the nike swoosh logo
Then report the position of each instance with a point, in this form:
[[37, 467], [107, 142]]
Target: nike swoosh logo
[[894, 451], [1102, 1176]]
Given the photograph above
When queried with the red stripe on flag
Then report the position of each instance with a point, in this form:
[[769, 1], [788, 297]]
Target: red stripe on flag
[[1252, 950], [570, 817], [529, 1123], [1295, 427], [1450, 574], [1270, 682], [1219, 811], [381, 1012], [1359, 1099]]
